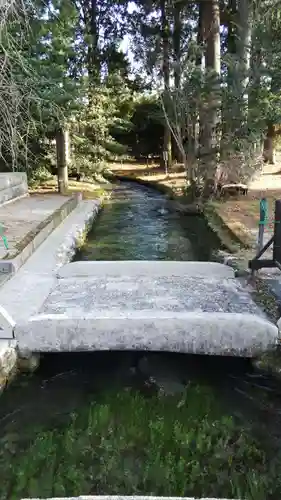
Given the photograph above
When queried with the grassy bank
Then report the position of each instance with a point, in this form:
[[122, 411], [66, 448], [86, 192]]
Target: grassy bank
[[89, 190], [128, 444]]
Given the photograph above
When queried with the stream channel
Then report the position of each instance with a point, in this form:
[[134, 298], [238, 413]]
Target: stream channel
[[135, 224]]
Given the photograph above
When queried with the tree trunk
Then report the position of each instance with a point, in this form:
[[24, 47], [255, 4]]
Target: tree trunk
[[244, 34], [94, 71], [232, 51], [230, 106], [165, 33], [176, 42], [89, 12], [177, 60], [269, 145], [199, 120], [62, 163], [209, 137], [67, 146], [212, 35], [255, 90], [231, 30]]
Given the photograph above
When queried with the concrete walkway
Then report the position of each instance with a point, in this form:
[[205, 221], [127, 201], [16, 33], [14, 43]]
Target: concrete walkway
[[23, 295], [23, 216]]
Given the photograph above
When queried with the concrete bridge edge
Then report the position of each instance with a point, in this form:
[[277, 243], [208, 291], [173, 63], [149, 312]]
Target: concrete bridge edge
[[196, 269], [121, 497]]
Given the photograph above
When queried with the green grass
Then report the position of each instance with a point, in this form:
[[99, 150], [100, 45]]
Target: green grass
[[128, 444]]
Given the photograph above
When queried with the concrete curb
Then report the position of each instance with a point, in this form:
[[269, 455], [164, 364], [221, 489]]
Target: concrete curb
[[13, 185], [146, 267], [184, 332], [12, 200], [43, 230]]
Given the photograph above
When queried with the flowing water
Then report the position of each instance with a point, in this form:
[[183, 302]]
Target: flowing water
[[136, 224]]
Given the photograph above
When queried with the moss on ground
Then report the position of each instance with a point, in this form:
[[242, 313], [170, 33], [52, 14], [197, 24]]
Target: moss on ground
[[128, 444]]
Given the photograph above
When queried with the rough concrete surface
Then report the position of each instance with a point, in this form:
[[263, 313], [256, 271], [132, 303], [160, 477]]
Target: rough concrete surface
[[24, 215], [8, 360], [146, 267], [48, 226], [8, 179], [12, 185], [125, 293], [196, 333], [23, 295], [180, 314], [7, 324]]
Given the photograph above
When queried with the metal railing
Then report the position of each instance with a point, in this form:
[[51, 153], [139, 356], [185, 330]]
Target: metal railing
[[275, 241]]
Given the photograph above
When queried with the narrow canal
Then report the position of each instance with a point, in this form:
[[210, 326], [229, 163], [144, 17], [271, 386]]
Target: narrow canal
[[117, 423], [137, 224]]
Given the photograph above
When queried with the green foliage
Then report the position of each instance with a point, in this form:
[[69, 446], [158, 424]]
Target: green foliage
[[62, 65], [42, 45], [39, 176], [143, 135]]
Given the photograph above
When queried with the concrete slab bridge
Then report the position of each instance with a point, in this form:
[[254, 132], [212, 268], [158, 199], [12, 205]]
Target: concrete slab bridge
[[49, 304], [190, 307]]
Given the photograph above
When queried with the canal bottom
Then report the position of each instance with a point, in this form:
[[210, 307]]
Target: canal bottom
[[141, 423]]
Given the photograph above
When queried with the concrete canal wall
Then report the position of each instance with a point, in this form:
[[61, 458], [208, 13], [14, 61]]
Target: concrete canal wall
[[12, 185], [25, 291]]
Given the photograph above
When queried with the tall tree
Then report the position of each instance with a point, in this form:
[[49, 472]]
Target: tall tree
[[165, 34], [244, 34], [177, 33], [210, 118]]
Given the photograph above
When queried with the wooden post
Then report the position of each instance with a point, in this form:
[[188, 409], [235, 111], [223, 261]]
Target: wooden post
[[262, 222], [166, 159], [62, 160], [277, 233]]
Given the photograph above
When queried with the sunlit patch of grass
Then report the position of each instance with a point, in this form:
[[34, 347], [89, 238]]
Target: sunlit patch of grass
[[128, 444], [89, 190]]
